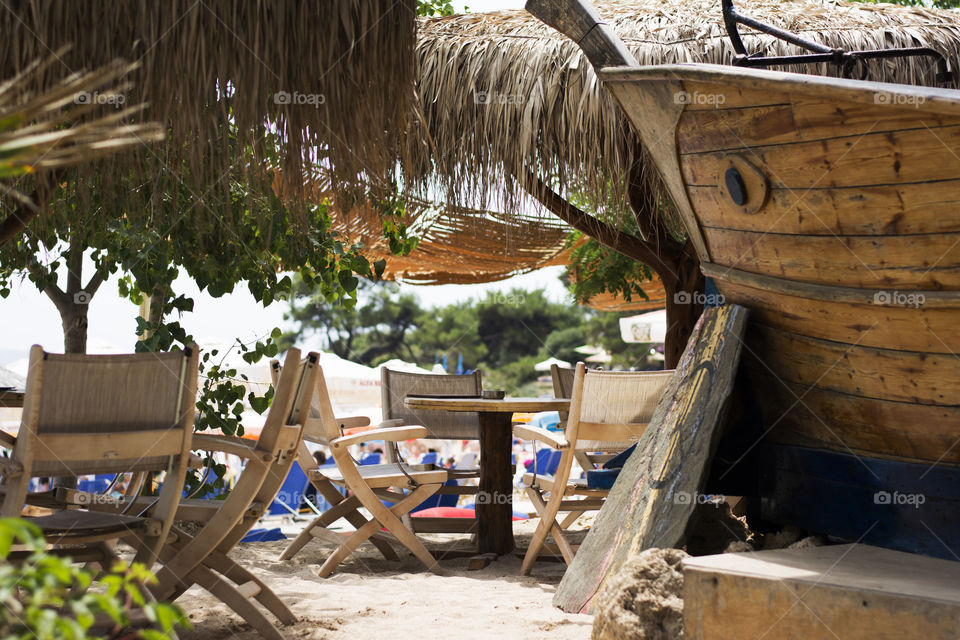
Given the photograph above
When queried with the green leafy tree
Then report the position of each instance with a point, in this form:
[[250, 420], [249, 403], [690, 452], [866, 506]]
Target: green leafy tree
[[370, 332]]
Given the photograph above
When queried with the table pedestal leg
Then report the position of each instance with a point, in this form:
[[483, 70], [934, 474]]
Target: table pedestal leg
[[495, 499]]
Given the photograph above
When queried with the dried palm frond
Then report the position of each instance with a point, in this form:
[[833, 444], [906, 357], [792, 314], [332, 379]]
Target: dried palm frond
[[332, 80], [40, 132]]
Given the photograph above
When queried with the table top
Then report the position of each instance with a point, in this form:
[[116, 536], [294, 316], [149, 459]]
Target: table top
[[11, 397], [487, 405]]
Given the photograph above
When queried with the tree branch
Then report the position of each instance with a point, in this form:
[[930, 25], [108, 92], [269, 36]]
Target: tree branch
[[18, 219], [661, 259]]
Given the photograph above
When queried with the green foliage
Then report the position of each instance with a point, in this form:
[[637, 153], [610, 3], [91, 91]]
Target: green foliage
[[46, 597], [504, 334], [594, 269], [435, 8]]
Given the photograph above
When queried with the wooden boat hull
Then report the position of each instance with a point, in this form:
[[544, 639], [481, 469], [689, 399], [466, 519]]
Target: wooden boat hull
[[830, 208]]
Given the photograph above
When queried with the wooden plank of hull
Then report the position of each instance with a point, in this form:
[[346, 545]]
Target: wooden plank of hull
[[798, 120], [930, 261], [926, 328], [898, 157], [886, 374], [813, 417], [929, 207]]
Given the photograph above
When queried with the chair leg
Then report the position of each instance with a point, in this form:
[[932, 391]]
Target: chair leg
[[570, 519], [355, 518], [233, 598], [548, 514], [222, 564], [322, 521], [391, 516]]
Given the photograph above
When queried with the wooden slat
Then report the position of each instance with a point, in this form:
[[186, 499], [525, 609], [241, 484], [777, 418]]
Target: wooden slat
[[903, 376], [106, 446], [672, 456], [908, 262], [703, 130], [901, 157], [926, 207], [610, 432], [927, 328], [813, 417], [764, 87], [734, 97]]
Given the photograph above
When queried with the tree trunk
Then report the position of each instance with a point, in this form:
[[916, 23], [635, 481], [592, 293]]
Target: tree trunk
[[74, 319], [684, 304]]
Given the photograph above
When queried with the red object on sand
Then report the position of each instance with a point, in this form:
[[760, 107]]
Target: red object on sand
[[450, 512]]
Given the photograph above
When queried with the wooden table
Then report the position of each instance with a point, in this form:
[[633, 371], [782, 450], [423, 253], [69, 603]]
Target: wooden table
[[495, 499], [11, 398]]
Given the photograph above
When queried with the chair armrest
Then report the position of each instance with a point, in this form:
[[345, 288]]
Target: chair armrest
[[553, 438], [392, 434], [233, 445], [6, 440], [352, 422], [394, 422]]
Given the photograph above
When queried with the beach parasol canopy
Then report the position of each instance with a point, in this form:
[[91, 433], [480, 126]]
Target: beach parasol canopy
[[646, 327], [546, 364]]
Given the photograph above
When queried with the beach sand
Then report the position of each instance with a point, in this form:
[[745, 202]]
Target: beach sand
[[369, 597]]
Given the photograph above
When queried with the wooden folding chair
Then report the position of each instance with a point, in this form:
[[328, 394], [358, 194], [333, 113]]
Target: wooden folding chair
[[609, 411], [315, 433], [202, 559], [368, 484], [395, 386], [88, 414]]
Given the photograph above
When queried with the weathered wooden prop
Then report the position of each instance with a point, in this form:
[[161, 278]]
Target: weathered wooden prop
[[850, 591], [829, 208], [660, 484]]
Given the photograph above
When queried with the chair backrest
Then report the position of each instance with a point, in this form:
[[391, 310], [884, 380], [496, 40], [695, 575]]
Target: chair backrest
[[611, 409], [449, 425], [562, 379], [95, 414], [280, 439]]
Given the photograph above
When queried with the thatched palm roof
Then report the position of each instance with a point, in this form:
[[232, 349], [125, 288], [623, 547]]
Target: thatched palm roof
[[334, 79], [502, 92]]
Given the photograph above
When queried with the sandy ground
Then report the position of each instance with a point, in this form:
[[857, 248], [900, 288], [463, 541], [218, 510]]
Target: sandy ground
[[369, 597]]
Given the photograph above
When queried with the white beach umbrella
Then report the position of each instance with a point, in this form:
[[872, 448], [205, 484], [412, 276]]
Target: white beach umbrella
[[646, 327], [545, 364]]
